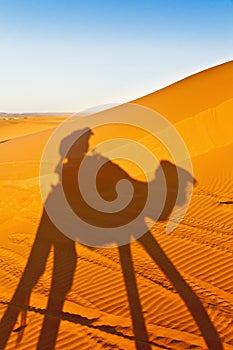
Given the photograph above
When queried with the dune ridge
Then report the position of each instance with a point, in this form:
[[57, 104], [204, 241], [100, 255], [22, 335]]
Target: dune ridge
[[96, 313]]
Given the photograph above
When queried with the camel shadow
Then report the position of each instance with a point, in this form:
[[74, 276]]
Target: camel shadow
[[65, 257]]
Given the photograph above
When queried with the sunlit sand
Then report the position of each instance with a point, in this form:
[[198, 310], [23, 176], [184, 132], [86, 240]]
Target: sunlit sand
[[102, 308]]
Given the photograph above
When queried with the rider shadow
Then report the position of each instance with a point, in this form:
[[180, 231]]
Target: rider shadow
[[65, 258]]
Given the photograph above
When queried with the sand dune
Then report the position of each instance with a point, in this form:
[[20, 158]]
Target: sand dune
[[192, 95], [96, 312]]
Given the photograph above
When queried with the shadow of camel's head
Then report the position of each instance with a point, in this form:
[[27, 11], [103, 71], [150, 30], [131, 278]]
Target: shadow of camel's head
[[177, 182]]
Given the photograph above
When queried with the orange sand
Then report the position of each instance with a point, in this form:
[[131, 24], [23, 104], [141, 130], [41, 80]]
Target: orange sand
[[96, 314]]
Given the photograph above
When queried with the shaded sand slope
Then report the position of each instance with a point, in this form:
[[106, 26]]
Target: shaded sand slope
[[96, 314]]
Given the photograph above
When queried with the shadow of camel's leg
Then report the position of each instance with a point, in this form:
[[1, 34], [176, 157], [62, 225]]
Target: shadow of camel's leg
[[190, 298], [34, 269], [139, 326], [64, 268]]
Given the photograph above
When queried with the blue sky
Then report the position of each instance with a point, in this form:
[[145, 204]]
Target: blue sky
[[71, 55]]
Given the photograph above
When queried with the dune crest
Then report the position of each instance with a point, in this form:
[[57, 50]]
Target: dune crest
[[96, 313]]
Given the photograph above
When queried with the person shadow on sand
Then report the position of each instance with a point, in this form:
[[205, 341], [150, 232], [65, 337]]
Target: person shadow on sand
[[65, 257]]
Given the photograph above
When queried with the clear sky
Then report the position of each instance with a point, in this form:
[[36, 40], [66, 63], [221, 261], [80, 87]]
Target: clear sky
[[68, 55]]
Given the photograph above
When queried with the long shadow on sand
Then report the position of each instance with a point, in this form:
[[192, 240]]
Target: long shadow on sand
[[65, 258]]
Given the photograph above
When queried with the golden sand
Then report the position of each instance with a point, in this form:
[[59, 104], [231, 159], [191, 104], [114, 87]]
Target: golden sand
[[96, 313]]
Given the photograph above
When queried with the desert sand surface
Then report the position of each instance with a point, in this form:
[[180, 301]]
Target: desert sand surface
[[103, 306]]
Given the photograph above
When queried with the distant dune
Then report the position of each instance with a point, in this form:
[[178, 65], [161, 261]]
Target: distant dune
[[27, 115], [96, 313]]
